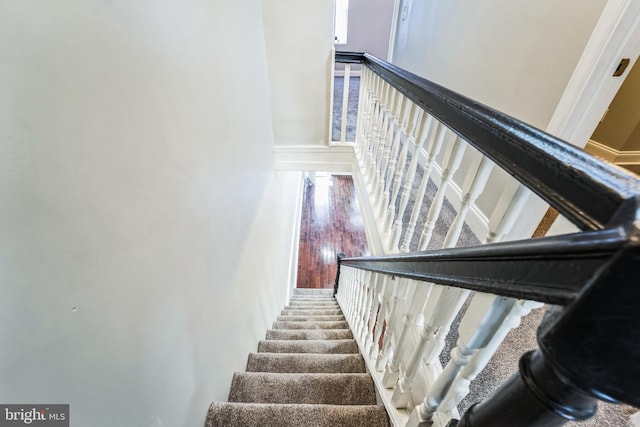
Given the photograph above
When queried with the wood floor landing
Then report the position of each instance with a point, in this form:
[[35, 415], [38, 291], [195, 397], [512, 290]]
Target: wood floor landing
[[331, 223]]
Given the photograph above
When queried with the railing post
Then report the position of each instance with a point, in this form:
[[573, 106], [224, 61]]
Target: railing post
[[339, 257]]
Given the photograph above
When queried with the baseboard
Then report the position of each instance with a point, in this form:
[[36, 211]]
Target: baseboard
[[611, 154]]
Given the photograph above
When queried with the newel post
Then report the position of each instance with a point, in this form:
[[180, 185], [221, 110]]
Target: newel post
[[339, 257], [589, 350]]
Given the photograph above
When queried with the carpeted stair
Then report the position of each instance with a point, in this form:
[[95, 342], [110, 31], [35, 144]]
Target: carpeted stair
[[307, 372]]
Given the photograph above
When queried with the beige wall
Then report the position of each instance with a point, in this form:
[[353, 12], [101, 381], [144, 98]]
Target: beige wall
[[144, 238], [299, 39], [514, 56], [620, 128], [369, 27]]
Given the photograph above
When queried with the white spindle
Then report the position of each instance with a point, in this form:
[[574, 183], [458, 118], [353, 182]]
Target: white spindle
[[502, 221], [377, 290], [384, 144], [365, 304], [427, 131], [361, 116], [386, 300], [460, 387], [432, 153], [472, 187], [403, 289], [389, 172], [452, 163], [392, 370], [399, 168], [431, 339], [345, 102]]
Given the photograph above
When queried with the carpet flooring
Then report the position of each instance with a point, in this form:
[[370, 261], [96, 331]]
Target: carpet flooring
[[311, 375]]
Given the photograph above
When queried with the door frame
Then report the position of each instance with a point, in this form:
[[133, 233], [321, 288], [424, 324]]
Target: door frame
[[592, 86]]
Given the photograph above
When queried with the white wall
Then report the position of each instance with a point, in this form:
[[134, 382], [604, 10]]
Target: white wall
[[299, 39], [144, 237], [516, 57]]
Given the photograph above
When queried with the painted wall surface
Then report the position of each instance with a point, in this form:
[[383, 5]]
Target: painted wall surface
[[299, 40], [144, 237], [623, 117], [369, 27], [516, 57]]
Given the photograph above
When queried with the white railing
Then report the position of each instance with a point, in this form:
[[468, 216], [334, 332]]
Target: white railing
[[400, 324]]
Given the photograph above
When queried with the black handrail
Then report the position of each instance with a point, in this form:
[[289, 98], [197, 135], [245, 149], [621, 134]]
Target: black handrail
[[588, 349], [587, 191]]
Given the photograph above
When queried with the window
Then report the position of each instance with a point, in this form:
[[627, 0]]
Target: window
[[341, 21]]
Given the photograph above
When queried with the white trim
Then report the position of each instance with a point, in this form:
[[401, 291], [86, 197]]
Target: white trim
[[612, 155], [592, 87], [295, 239], [374, 238], [394, 28], [336, 158]]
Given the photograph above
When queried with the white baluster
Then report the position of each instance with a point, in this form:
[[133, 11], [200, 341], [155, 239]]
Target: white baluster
[[363, 316], [399, 168], [460, 387], [451, 162], [427, 131], [473, 185], [502, 220], [360, 122], [371, 305], [378, 289], [386, 300], [345, 102], [431, 340], [401, 293], [384, 142], [389, 172], [476, 329], [441, 134], [378, 122], [392, 370]]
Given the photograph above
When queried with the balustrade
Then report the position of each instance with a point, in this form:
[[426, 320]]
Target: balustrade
[[406, 144]]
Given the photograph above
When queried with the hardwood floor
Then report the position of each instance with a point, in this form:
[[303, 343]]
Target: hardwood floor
[[331, 223]]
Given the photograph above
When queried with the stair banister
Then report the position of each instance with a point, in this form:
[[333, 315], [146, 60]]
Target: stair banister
[[589, 342]]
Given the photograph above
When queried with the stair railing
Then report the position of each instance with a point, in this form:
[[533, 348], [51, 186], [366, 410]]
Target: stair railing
[[401, 306]]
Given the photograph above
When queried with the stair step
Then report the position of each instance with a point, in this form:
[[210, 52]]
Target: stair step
[[328, 389], [328, 312], [338, 318], [305, 362], [311, 298], [313, 291], [223, 414], [310, 325], [309, 334], [312, 307], [308, 346]]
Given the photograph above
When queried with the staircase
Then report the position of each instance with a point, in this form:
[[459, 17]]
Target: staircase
[[307, 372]]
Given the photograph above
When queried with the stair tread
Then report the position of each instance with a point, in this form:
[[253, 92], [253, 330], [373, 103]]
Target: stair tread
[[310, 325], [346, 346], [224, 414], [314, 388], [305, 362], [328, 312], [330, 318], [309, 334]]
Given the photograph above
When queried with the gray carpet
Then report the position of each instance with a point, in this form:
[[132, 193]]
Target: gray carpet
[[307, 375]]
